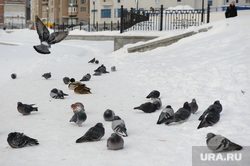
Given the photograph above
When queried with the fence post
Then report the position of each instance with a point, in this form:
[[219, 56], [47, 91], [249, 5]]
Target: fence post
[[161, 22], [122, 26], [63, 26], [96, 26], [88, 26], [202, 11], [111, 25], [208, 13]]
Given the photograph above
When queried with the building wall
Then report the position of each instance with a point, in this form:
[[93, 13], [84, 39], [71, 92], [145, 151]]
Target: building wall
[[1, 13], [14, 15]]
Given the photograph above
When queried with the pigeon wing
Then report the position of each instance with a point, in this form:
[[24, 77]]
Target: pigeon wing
[[42, 31], [56, 37]]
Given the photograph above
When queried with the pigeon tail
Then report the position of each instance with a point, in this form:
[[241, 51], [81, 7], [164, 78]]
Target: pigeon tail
[[137, 108], [203, 123], [82, 139], [35, 109], [32, 141], [42, 49], [233, 146]]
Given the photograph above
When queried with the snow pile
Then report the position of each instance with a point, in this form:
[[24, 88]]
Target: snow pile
[[181, 7], [209, 66]]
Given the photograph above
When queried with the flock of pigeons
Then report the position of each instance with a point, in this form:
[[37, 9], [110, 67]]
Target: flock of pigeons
[[210, 116]]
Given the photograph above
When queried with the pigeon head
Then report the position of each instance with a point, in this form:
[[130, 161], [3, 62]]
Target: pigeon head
[[186, 106], [217, 102], [193, 101], [117, 118], [168, 106], [54, 90], [19, 103], [210, 135], [99, 125]]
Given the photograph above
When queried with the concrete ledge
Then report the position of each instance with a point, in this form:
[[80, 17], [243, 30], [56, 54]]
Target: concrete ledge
[[120, 41], [163, 42], [89, 37]]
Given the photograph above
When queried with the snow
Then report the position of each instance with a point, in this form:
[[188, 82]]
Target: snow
[[209, 66], [181, 7]]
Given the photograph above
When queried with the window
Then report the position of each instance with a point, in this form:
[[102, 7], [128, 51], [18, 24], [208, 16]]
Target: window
[[118, 1], [237, 1], [117, 12], [83, 1], [210, 3], [83, 9], [178, 0], [247, 1], [106, 13], [157, 1], [226, 1]]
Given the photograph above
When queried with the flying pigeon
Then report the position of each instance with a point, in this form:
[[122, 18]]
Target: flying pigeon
[[19, 140], [216, 107], [115, 142], [25, 109], [78, 106], [79, 117], [57, 94], [118, 126], [147, 107], [211, 118], [66, 80], [181, 115], [153, 94], [165, 114], [46, 38], [92, 60], [109, 115], [86, 77], [46, 75], [194, 106], [218, 143], [95, 133]]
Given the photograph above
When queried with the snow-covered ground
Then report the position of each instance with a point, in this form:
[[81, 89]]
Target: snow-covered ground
[[209, 66]]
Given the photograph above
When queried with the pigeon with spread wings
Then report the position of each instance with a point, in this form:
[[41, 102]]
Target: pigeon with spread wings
[[46, 38]]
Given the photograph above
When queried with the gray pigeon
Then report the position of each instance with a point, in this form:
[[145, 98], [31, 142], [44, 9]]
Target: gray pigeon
[[101, 69], [147, 107], [25, 109], [165, 114], [79, 117], [211, 118], [57, 94], [181, 115], [216, 107], [46, 38], [86, 77], [118, 126], [218, 143], [19, 140], [66, 80], [194, 106], [47, 75], [108, 115], [115, 142], [153, 94], [95, 133]]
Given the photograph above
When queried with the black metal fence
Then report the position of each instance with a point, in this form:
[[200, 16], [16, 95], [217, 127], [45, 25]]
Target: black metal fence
[[146, 20]]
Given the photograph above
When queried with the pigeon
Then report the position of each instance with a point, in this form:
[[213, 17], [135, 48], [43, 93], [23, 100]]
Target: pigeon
[[57, 94], [218, 143], [86, 77], [78, 106], [46, 75], [211, 118], [66, 80], [13, 76], [181, 115], [109, 115], [113, 68], [194, 106], [25, 109], [101, 69], [82, 90], [153, 94], [19, 140], [118, 126], [216, 107], [115, 142], [79, 117], [92, 60], [95, 133], [46, 38], [165, 114], [157, 102], [147, 107]]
